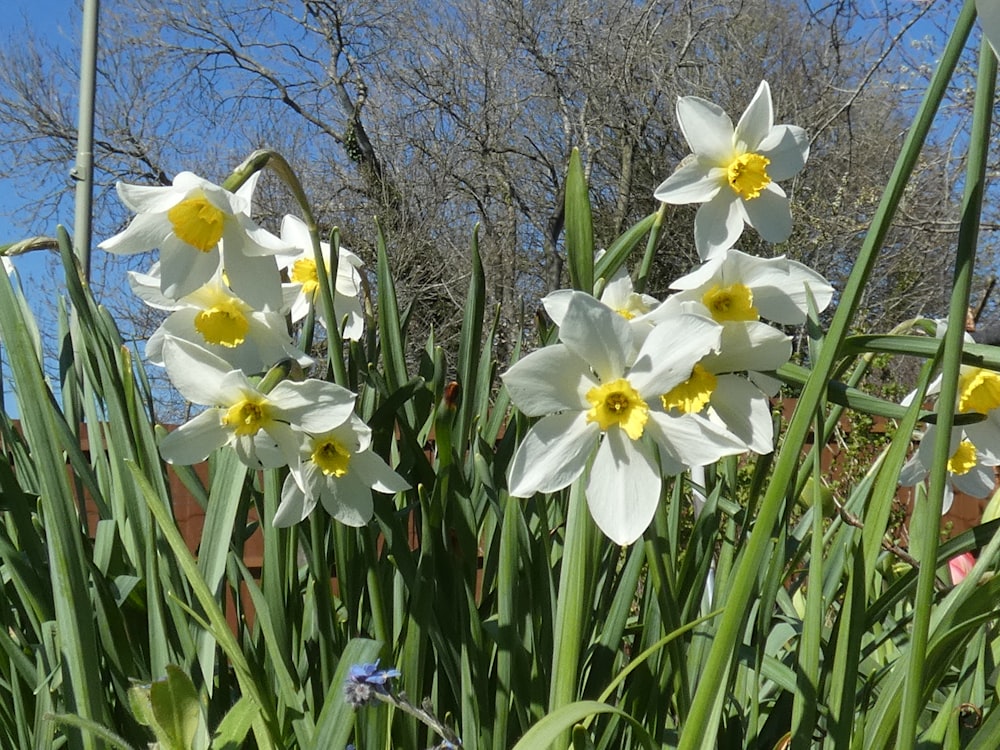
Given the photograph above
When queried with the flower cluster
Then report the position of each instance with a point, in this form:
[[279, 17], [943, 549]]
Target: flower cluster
[[637, 389], [973, 450], [219, 276]]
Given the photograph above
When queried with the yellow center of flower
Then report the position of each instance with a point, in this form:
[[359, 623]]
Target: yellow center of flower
[[331, 457], [197, 222], [747, 175], [729, 303], [963, 459], [627, 314], [618, 403], [304, 273], [691, 396], [248, 417], [978, 390], [224, 323]]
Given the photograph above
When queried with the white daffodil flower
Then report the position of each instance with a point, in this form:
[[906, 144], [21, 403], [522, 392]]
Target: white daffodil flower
[[619, 294], [718, 392], [600, 398], [735, 286], [978, 393], [188, 221], [216, 319], [733, 171], [301, 267], [970, 470], [264, 428], [338, 469]]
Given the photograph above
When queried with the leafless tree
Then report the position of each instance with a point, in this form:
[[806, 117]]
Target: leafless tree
[[435, 116]]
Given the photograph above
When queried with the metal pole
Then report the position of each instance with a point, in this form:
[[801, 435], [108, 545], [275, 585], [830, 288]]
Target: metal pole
[[83, 172]]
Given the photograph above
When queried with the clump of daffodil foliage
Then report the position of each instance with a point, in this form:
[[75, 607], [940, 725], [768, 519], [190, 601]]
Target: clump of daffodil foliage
[[621, 536]]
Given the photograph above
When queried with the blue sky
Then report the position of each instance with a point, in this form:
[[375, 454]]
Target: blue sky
[[56, 19]]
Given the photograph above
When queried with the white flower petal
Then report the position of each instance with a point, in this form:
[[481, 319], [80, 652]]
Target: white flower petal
[[913, 472], [718, 224], [200, 376], [252, 278], [145, 232], [258, 241], [783, 299], [264, 450], [195, 440], [623, 489], [696, 180], [690, 439], [756, 122], [979, 481], [706, 127], [598, 336], [671, 351], [548, 380], [985, 436], [552, 454], [375, 473], [348, 499], [989, 19], [351, 317], [555, 304], [745, 411], [708, 273], [769, 214], [787, 147], [749, 345], [768, 385], [146, 286], [618, 291], [313, 406], [183, 268], [295, 506], [149, 199], [948, 498]]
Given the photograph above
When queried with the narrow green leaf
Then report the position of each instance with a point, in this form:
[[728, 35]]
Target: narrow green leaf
[[470, 348], [703, 722], [619, 250], [579, 227], [557, 723]]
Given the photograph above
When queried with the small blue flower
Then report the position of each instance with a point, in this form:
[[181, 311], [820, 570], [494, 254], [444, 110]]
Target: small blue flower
[[370, 674], [364, 681]]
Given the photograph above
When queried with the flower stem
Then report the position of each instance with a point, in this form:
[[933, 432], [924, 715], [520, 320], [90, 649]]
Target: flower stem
[[702, 726], [571, 603], [926, 546]]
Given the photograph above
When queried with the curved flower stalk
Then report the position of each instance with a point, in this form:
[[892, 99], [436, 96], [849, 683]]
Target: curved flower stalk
[[733, 171], [735, 286], [216, 319], [599, 399], [339, 470], [301, 267], [265, 429], [189, 221]]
